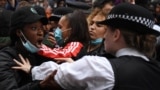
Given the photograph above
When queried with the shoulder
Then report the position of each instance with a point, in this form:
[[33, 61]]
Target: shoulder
[[7, 54]]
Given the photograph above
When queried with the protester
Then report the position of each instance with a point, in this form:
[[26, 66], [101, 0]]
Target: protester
[[97, 31], [47, 28], [73, 30], [26, 38], [53, 23], [131, 69]]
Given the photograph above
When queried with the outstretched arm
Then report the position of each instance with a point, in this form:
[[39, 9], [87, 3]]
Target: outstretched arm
[[48, 83], [38, 72], [25, 65]]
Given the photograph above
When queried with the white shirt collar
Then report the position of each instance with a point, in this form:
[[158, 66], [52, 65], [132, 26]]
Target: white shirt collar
[[130, 52]]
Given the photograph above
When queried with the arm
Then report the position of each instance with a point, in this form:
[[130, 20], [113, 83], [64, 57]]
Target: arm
[[70, 50], [38, 72], [88, 73]]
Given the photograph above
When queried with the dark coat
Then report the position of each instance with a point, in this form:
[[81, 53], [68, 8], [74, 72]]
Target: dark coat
[[135, 73], [16, 79]]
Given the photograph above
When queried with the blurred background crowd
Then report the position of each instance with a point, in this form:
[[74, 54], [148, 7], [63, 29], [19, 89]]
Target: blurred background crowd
[[54, 9], [86, 5]]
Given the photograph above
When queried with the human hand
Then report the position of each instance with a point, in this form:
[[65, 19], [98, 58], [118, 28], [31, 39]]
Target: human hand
[[24, 65], [59, 60], [51, 38], [49, 83]]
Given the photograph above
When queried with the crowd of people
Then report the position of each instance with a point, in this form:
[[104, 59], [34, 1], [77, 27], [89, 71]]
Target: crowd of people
[[79, 44]]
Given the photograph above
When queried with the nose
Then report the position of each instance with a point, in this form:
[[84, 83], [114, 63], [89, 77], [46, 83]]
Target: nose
[[92, 27], [40, 32]]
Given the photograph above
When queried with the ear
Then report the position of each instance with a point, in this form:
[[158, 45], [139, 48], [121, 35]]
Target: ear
[[117, 34]]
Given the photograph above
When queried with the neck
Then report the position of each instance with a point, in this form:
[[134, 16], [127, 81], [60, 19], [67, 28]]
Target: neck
[[93, 47], [21, 48]]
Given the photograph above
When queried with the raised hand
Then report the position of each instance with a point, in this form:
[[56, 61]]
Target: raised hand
[[51, 38], [24, 65]]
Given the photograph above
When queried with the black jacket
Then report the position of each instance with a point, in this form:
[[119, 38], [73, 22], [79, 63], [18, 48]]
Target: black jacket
[[11, 79], [134, 73]]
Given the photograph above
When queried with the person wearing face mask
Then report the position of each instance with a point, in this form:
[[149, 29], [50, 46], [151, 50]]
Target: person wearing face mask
[[26, 34], [58, 36], [96, 32], [73, 36], [54, 30], [28, 45]]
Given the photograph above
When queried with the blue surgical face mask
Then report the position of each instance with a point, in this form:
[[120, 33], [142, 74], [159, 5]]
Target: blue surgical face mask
[[97, 41], [58, 36], [58, 33], [28, 45]]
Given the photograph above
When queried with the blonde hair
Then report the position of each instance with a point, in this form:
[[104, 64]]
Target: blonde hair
[[95, 12]]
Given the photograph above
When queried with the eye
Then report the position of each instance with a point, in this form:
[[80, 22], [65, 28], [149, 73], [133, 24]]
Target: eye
[[99, 25], [33, 28]]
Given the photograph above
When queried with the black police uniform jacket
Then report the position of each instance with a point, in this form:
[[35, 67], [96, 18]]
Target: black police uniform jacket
[[135, 73]]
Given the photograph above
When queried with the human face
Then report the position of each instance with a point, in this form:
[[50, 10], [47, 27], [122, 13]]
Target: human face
[[97, 30], [34, 33], [3, 3], [63, 25], [109, 40]]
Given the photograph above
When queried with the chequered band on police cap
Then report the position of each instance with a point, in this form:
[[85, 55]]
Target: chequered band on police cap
[[145, 21]]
